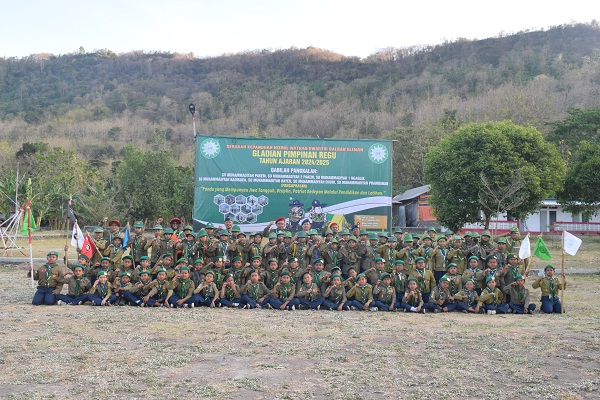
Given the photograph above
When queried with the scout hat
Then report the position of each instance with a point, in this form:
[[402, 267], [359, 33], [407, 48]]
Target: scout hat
[[157, 227], [502, 240], [127, 257], [210, 226], [514, 229], [385, 275], [138, 224], [373, 236], [443, 279], [486, 233], [236, 258], [168, 231], [319, 261], [127, 274], [199, 261], [272, 235], [420, 259], [398, 230], [399, 262], [379, 259], [83, 256], [99, 229], [223, 232], [100, 273], [184, 269], [114, 222], [489, 278], [302, 234], [182, 260], [161, 270], [408, 238], [78, 266], [235, 228], [313, 231], [518, 277], [105, 259], [332, 276], [549, 266], [52, 253]]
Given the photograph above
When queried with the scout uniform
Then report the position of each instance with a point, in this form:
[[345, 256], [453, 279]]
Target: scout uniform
[[283, 293], [187, 247], [387, 253], [137, 244], [78, 288], [285, 249], [335, 297], [454, 280], [351, 256], [490, 299], [407, 254], [203, 245], [271, 275], [455, 254], [49, 277], [101, 291], [466, 300], [360, 297], [550, 287], [384, 295], [120, 287], [309, 295], [512, 270], [300, 249], [238, 272], [110, 234], [182, 289], [230, 296], [207, 293], [331, 255], [159, 291], [369, 252], [474, 274], [115, 250], [519, 299], [254, 295], [440, 299], [139, 290], [424, 278], [438, 258], [100, 243], [412, 300]]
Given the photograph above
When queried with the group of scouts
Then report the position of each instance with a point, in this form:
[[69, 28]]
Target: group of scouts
[[332, 270]]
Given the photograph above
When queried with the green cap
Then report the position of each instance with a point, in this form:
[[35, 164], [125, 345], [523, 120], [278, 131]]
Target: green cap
[[209, 226], [420, 259], [100, 273], [452, 265], [514, 229], [379, 259], [489, 278], [143, 258], [99, 230], [510, 255], [161, 270], [78, 266], [398, 230], [188, 228], [302, 234], [83, 256], [384, 275], [272, 235], [145, 271], [393, 239], [473, 258], [127, 274], [167, 255], [549, 266], [502, 240], [52, 253], [491, 257], [138, 224], [157, 227], [223, 232], [235, 228], [271, 260], [457, 237], [105, 259], [363, 232], [336, 276], [432, 228], [518, 277], [182, 260], [334, 240], [236, 258], [168, 231], [185, 268], [319, 261], [199, 261], [408, 238], [352, 237], [399, 262], [287, 235], [486, 233], [313, 231], [127, 257], [443, 279], [373, 236], [209, 273], [285, 273], [411, 279]]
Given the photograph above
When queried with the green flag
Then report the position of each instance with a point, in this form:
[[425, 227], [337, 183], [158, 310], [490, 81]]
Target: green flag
[[540, 250], [28, 222]]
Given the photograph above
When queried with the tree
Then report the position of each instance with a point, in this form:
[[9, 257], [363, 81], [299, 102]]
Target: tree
[[149, 185], [580, 125], [581, 191], [506, 156]]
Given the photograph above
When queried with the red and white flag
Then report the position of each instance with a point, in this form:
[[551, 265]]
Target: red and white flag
[[77, 237], [88, 247]]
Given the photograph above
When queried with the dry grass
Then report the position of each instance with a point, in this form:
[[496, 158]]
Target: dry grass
[[127, 352]]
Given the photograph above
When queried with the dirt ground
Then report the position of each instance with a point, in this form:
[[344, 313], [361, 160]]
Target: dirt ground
[[140, 353]]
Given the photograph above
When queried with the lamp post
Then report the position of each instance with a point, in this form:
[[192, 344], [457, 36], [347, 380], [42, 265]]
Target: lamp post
[[192, 109]]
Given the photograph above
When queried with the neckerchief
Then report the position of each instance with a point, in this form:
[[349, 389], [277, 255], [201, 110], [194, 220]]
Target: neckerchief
[[334, 258], [77, 286], [159, 287], [184, 287], [452, 280], [469, 296], [102, 289], [488, 290], [414, 301], [421, 278], [47, 277], [229, 293], [514, 271], [399, 283], [337, 295], [384, 294], [309, 288], [552, 288], [254, 291], [520, 294], [284, 291], [363, 293]]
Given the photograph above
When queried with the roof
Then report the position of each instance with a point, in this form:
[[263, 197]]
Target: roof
[[411, 194]]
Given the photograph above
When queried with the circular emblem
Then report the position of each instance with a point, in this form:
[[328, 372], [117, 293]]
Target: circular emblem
[[378, 153], [210, 148]]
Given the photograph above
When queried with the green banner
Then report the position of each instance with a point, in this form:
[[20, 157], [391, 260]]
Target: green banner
[[256, 181]]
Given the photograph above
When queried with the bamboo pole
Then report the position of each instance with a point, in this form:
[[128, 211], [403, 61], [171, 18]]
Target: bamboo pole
[[562, 269]]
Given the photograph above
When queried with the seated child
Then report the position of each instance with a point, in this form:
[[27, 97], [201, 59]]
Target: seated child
[[182, 289], [384, 294], [335, 295], [519, 297], [360, 296], [101, 293], [230, 295], [412, 300], [467, 298], [254, 292], [308, 294], [78, 287], [491, 298]]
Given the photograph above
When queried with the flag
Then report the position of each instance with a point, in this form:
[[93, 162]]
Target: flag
[[540, 250], [70, 214], [28, 221], [88, 247], [126, 237], [525, 250], [571, 243], [77, 237]]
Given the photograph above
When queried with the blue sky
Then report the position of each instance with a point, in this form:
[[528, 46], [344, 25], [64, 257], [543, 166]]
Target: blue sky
[[212, 28]]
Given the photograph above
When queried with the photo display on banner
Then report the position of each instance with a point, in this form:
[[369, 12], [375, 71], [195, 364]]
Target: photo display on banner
[[255, 181]]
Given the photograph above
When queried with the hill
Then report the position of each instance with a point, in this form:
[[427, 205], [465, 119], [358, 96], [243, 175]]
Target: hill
[[98, 102]]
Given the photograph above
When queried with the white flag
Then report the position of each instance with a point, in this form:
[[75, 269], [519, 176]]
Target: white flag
[[77, 237], [572, 243], [525, 250]]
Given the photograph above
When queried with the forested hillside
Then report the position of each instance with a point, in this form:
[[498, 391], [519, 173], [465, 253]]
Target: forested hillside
[[99, 102]]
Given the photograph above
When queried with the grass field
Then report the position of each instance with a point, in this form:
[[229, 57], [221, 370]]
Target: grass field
[[129, 352]]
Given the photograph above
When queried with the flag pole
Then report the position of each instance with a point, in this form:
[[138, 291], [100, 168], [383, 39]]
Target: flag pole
[[67, 241], [562, 269], [28, 213]]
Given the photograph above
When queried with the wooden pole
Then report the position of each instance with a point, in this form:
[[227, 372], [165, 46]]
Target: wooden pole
[[562, 269]]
